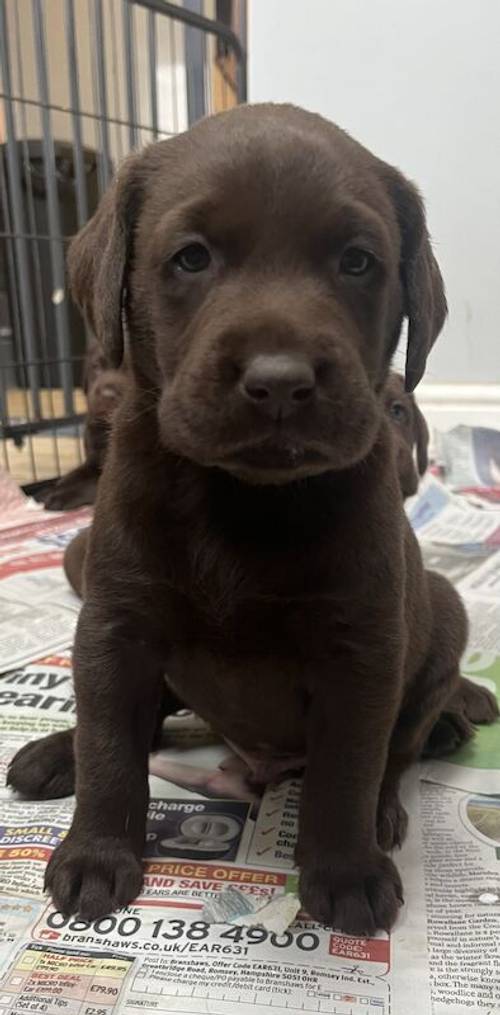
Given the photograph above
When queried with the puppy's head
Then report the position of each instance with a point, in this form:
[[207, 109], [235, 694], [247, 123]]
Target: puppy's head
[[410, 433], [264, 263]]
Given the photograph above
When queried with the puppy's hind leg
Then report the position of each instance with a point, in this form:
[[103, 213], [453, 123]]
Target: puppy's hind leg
[[44, 769], [479, 704], [426, 697], [471, 705], [74, 561]]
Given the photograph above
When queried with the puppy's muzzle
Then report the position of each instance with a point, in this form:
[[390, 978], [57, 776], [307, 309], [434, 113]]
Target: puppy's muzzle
[[278, 385]]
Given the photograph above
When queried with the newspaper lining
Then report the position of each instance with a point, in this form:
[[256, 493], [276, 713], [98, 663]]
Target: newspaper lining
[[160, 954], [38, 611]]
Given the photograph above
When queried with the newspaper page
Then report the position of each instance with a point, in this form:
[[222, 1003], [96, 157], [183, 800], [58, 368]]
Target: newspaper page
[[461, 836], [460, 795], [38, 611], [161, 953], [454, 534], [470, 457], [182, 962], [34, 701], [442, 517], [476, 766], [208, 854]]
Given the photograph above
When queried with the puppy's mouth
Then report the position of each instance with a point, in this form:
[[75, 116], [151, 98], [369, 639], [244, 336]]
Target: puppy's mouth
[[275, 463]]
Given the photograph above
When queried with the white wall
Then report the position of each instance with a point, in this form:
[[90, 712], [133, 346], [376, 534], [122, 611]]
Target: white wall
[[418, 82]]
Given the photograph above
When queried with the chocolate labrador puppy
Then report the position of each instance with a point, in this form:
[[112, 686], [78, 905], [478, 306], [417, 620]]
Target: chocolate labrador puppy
[[105, 389], [409, 432], [249, 535], [43, 769]]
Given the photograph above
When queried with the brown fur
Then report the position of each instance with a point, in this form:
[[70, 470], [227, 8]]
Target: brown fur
[[247, 541], [410, 433], [74, 561], [79, 486], [105, 389]]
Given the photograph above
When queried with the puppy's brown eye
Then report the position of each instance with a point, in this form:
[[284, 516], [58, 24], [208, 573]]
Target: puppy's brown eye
[[193, 258], [398, 411], [355, 261]]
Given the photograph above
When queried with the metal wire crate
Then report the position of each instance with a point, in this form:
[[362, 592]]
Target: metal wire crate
[[82, 83]]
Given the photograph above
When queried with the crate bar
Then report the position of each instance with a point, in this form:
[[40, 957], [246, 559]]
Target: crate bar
[[241, 63], [195, 20], [82, 205], [55, 231], [28, 414], [11, 234], [74, 90], [14, 311], [209, 62], [19, 431], [20, 245], [56, 107], [195, 66], [129, 41], [101, 94], [35, 247], [172, 42], [115, 71], [153, 83]]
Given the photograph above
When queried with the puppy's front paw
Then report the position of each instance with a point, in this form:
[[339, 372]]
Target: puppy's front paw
[[93, 877], [356, 899]]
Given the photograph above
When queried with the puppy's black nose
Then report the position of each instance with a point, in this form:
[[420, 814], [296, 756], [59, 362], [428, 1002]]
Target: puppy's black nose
[[278, 385]]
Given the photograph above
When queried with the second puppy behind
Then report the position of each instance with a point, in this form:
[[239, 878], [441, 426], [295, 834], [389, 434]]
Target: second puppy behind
[[410, 433], [104, 388]]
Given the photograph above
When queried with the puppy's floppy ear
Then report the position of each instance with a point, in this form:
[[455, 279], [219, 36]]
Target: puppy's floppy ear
[[421, 439], [98, 259], [425, 300]]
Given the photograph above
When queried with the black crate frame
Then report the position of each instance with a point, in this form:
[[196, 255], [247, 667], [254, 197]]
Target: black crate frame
[[39, 330]]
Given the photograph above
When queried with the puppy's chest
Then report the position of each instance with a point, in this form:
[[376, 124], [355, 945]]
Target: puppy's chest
[[249, 673], [255, 700]]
